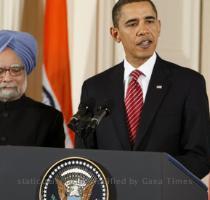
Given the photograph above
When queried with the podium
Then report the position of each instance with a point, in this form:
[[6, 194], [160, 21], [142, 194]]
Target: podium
[[132, 175]]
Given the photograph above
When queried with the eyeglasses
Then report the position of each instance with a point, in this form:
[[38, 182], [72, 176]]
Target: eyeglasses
[[14, 70]]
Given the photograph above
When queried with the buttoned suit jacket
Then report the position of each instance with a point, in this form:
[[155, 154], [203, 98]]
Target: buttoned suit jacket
[[25, 122], [175, 116]]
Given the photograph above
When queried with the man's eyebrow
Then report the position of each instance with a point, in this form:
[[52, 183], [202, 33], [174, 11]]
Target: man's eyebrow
[[136, 19], [131, 20], [150, 17]]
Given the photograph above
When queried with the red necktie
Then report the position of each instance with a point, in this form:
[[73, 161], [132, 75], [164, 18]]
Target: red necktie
[[134, 104]]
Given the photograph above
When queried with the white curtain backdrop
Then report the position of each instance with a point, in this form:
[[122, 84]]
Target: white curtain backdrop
[[92, 48], [11, 14]]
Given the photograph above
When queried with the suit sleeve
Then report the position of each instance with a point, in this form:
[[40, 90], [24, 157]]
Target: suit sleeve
[[56, 135], [194, 140]]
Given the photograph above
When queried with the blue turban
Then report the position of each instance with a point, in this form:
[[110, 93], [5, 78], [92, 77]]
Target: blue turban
[[23, 44]]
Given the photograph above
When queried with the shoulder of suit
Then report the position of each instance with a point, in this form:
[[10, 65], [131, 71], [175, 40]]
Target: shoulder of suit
[[181, 71], [40, 106], [105, 74]]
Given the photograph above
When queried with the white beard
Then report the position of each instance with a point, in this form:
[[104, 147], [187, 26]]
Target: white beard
[[10, 92], [7, 94]]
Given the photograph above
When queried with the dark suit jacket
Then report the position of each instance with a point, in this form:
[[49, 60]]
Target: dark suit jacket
[[25, 122], [175, 119]]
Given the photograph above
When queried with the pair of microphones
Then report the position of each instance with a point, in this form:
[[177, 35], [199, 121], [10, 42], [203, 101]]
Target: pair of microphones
[[87, 119]]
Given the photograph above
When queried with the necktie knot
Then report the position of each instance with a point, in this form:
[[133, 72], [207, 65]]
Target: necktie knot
[[135, 74]]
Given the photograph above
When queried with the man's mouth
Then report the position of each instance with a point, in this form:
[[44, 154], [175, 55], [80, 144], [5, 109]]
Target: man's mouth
[[7, 88], [145, 44]]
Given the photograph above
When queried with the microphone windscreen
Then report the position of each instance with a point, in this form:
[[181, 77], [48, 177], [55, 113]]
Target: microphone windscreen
[[108, 104], [91, 102], [87, 106]]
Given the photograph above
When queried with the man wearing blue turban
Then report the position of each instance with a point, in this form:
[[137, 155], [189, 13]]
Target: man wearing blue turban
[[23, 121]]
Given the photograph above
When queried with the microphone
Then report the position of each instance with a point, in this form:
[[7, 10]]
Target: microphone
[[102, 111], [83, 115]]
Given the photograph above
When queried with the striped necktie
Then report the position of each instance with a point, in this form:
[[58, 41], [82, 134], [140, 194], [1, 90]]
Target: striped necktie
[[134, 105]]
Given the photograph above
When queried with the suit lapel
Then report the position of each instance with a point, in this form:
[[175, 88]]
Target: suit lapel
[[118, 112], [157, 90]]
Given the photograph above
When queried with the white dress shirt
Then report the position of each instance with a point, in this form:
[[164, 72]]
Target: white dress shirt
[[143, 80]]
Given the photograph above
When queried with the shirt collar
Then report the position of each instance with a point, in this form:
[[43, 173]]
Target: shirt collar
[[145, 68]]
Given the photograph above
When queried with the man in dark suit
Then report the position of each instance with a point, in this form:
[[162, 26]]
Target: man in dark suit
[[23, 121], [173, 104]]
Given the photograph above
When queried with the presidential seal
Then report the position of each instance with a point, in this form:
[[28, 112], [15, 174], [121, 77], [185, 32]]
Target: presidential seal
[[74, 178]]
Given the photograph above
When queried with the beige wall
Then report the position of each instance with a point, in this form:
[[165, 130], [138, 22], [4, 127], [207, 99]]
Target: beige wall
[[179, 39], [205, 43]]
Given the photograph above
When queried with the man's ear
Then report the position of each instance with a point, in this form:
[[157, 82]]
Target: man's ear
[[115, 34], [159, 27]]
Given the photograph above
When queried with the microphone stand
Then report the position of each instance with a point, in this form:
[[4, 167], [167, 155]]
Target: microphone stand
[[79, 127], [81, 130]]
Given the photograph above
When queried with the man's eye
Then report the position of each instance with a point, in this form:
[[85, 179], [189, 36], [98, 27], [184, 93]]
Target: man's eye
[[132, 24], [150, 21], [15, 69]]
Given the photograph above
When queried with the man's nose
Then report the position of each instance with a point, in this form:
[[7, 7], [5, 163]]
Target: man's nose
[[142, 29]]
